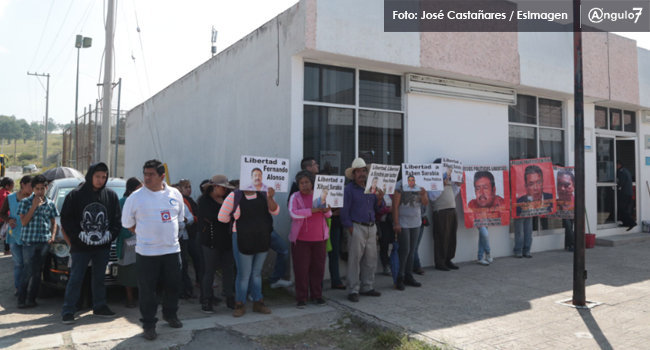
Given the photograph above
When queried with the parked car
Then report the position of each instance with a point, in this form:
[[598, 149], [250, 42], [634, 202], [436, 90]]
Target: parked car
[[31, 168], [57, 262]]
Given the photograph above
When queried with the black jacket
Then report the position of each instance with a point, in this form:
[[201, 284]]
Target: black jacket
[[91, 219]]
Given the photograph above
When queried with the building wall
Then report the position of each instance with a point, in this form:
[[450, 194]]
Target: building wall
[[238, 102], [437, 127], [541, 53], [643, 172]]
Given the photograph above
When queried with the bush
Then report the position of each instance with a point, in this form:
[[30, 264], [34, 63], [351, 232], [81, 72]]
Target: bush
[[26, 156]]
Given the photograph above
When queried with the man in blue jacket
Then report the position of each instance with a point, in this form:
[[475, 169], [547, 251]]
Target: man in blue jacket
[[91, 220]]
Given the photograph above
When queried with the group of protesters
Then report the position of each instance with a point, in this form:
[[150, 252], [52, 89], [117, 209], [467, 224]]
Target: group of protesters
[[161, 227]]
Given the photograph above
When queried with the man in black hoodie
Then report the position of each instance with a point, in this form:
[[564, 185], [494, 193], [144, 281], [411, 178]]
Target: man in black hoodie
[[91, 220]]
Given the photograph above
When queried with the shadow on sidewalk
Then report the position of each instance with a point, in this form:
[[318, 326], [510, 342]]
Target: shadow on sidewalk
[[594, 329]]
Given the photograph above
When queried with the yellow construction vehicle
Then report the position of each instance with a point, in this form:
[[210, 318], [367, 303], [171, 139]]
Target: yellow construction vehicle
[[3, 164]]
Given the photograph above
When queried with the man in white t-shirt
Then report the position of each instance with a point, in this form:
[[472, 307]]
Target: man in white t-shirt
[[153, 213]]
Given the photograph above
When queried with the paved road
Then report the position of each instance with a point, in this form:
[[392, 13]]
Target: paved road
[[512, 304]]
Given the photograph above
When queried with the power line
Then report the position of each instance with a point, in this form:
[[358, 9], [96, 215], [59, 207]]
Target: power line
[[38, 47], [46, 57]]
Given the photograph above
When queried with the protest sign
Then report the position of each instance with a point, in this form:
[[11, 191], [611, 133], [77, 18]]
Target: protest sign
[[454, 169], [533, 187], [382, 176], [260, 173], [565, 192], [328, 190], [428, 176], [485, 193]]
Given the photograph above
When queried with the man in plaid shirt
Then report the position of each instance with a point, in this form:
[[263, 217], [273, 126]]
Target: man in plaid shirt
[[37, 215]]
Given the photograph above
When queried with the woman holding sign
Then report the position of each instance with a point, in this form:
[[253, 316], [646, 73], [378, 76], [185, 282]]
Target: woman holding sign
[[309, 233]]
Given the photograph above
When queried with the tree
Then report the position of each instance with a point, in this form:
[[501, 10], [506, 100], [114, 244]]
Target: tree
[[52, 126], [28, 133], [38, 130]]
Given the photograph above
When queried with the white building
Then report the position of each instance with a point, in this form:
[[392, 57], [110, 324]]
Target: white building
[[323, 76]]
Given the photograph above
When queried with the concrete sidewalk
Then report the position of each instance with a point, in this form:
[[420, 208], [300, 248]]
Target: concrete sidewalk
[[513, 303]]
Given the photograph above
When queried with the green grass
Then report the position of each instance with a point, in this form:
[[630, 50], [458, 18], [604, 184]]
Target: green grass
[[54, 146]]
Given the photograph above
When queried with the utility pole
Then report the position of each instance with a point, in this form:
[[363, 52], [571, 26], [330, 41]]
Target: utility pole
[[108, 88], [579, 271], [117, 126], [47, 109]]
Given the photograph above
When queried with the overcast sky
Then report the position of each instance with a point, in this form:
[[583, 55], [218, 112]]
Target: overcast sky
[[38, 36]]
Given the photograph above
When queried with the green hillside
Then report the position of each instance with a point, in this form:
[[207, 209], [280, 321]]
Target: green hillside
[[31, 152]]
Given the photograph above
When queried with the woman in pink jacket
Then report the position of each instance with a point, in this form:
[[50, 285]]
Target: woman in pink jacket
[[309, 233]]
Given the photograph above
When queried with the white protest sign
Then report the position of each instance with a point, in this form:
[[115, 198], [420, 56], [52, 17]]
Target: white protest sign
[[454, 169], [382, 176], [260, 173], [428, 176], [328, 190]]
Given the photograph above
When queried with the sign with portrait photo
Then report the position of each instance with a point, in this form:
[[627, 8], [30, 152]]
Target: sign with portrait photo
[[454, 169], [328, 191], [262, 173], [485, 193], [564, 192], [382, 176], [427, 176], [533, 187]]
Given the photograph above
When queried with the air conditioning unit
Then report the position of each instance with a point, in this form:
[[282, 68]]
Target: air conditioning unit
[[416, 83]]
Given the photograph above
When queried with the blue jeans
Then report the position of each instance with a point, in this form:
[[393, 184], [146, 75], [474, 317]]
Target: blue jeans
[[408, 238], [281, 249], [416, 257], [33, 255], [17, 255], [78, 269], [483, 242], [249, 273], [523, 235]]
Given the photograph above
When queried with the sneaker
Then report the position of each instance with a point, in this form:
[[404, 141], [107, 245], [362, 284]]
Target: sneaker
[[104, 311], [259, 307], [68, 319], [488, 257], [412, 282], [150, 334], [173, 322], [207, 309], [519, 255], [320, 302], [281, 284], [386, 271], [240, 310], [483, 261], [528, 256], [371, 293], [301, 304], [353, 297]]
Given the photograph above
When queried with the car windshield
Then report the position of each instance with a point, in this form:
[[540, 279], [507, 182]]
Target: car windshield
[[62, 192]]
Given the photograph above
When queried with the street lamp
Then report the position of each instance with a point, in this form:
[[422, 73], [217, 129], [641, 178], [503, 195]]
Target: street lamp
[[80, 42]]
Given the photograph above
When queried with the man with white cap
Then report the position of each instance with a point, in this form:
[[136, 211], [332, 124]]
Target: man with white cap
[[358, 219]]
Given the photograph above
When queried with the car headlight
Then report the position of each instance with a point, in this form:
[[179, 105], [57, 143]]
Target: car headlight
[[61, 250]]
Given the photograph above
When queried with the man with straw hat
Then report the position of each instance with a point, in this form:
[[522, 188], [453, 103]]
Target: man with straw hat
[[358, 220]]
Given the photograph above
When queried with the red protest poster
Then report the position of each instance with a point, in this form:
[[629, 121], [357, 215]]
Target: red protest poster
[[533, 187], [565, 192], [485, 192]]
